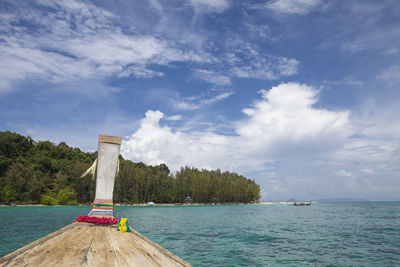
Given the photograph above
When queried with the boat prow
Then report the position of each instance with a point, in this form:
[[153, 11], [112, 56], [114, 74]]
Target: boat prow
[[83, 244]]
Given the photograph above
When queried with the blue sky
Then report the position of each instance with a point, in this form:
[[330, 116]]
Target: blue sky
[[301, 95]]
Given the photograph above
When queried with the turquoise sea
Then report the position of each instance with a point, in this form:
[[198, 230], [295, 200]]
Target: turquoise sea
[[324, 234]]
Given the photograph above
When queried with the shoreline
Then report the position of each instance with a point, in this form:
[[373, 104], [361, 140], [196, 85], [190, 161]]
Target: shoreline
[[203, 204], [155, 204]]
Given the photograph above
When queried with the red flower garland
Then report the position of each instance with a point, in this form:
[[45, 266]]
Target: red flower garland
[[96, 220]]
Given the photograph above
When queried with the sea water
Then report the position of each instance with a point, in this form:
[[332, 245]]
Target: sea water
[[335, 234]]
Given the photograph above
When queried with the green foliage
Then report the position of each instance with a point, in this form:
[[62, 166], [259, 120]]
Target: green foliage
[[138, 182], [64, 196], [33, 172], [49, 198], [8, 194], [67, 196]]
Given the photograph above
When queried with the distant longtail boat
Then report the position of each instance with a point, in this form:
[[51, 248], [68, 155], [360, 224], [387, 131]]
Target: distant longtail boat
[[302, 203]]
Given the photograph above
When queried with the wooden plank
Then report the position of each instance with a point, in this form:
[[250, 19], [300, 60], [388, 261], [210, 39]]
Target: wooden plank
[[65, 248], [85, 245], [101, 252], [178, 261], [68, 250], [5, 259], [130, 248]]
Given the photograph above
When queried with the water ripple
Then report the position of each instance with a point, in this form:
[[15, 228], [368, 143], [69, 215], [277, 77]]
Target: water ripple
[[351, 234]]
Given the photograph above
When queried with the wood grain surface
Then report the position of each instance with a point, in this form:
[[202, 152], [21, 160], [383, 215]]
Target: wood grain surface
[[82, 244]]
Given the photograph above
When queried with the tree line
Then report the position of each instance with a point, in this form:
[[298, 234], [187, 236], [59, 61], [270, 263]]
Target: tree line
[[42, 172]]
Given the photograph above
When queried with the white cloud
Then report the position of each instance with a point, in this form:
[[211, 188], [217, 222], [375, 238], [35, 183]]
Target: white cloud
[[192, 103], [80, 41], [367, 171], [379, 121], [344, 173], [140, 72], [363, 26], [346, 81], [212, 77], [391, 75], [246, 61], [300, 7], [157, 5], [155, 144], [216, 99], [217, 6], [283, 119], [258, 31], [21, 62], [374, 32], [174, 118]]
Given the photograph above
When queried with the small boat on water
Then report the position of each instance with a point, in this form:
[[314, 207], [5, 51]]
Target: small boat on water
[[302, 203]]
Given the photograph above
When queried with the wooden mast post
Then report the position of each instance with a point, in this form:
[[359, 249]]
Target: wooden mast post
[[107, 167]]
